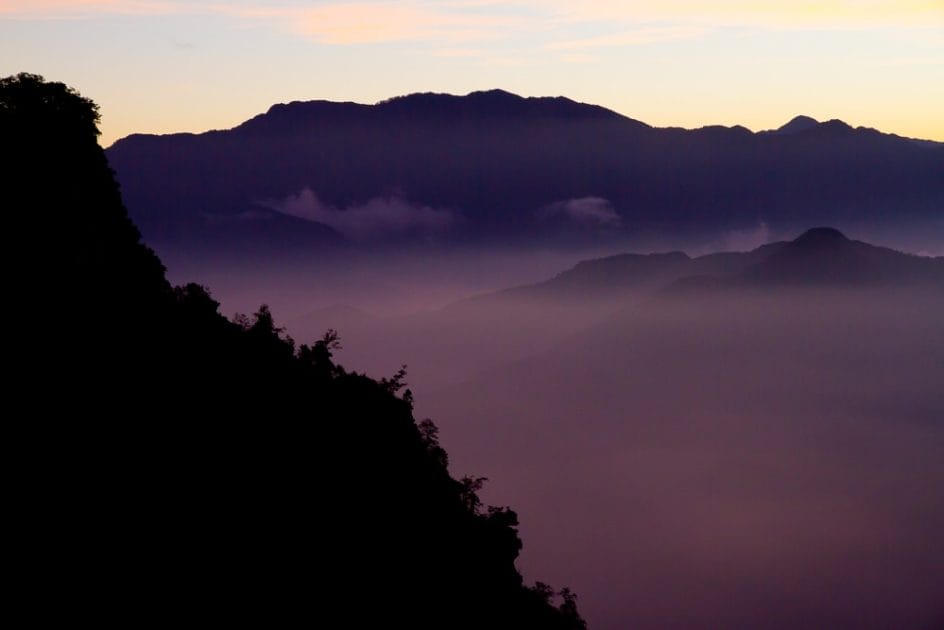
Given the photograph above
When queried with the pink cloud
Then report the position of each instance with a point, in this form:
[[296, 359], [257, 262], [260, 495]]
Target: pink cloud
[[376, 21]]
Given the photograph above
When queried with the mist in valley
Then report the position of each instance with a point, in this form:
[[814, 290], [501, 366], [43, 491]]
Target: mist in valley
[[766, 461], [482, 315], [765, 456]]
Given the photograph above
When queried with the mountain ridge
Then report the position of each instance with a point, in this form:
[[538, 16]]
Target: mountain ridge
[[797, 124], [525, 170], [822, 256]]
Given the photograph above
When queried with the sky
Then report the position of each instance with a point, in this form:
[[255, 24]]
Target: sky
[[160, 66]]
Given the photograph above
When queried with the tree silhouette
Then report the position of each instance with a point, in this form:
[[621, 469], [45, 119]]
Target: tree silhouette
[[213, 471]]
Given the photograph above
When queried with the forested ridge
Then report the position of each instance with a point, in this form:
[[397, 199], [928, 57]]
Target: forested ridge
[[212, 470]]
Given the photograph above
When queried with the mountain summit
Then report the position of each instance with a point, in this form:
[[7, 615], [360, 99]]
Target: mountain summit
[[821, 236], [825, 256], [427, 108], [495, 167], [797, 124], [492, 104], [821, 256]]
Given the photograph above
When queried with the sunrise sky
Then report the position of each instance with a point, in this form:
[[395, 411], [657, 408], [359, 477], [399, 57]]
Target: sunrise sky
[[163, 65]]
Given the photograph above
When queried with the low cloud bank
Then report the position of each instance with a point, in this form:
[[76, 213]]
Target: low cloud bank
[[380, 218], [590, 211]]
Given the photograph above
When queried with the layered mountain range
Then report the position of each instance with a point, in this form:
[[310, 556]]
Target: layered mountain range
[[822, 257], [495, 167]]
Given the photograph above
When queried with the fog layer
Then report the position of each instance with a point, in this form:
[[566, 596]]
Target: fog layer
[[764, 461], [749, 458]]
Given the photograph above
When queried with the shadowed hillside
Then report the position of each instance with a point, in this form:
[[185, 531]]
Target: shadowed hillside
[[212, 470], [493, 167], [819, 257]]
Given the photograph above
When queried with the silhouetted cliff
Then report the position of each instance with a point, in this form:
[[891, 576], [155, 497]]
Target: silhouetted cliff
[[197, 469]]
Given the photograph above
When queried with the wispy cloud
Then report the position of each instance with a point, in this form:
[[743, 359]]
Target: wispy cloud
[[593, 211], [378, 219], [617, 23]]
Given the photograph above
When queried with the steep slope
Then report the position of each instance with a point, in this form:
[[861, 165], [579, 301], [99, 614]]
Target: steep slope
[[193, 467]]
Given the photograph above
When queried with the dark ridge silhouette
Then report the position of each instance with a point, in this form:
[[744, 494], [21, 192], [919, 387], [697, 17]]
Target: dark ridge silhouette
[[820, 237], [824, 256], [834, 129], [491, 104], [193, 467], [426, 108], [499, 161], [819, 257], [797, 124]]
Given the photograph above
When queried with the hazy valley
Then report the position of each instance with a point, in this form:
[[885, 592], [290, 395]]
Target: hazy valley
[[707, 414], [700, 369], [717, 440]]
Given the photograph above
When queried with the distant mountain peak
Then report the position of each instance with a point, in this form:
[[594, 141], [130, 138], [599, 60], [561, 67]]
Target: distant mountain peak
[[496, 93], [798, 124], [821, 256], [821, 236], [494, 103]]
